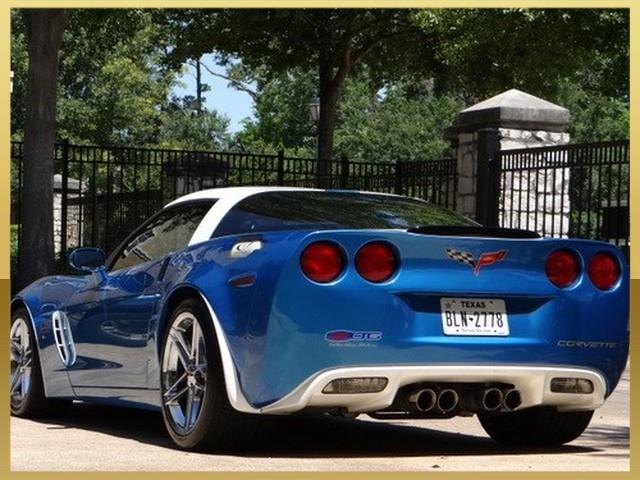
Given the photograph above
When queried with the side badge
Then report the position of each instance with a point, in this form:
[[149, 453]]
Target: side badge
[[63, 338], [244, 248]]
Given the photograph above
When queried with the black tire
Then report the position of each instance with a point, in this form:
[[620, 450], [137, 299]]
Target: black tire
[[343, 413], [535, 427], [218, 426], [35, 403]]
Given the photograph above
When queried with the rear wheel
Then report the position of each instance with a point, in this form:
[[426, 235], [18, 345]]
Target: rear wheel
[[536, 426], [27, 396], [195, 405]]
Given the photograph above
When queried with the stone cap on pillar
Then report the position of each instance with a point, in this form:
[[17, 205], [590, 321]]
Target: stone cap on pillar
[[512, 109]]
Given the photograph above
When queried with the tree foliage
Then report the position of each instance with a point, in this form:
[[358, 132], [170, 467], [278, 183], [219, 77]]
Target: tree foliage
[[331, 42], [187, 125], [400, 121], [112, 86], [467, 53], [481, 52], [281, 111], [115, 85], [595, 117]]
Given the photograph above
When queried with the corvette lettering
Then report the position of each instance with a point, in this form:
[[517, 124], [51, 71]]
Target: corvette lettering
[[585, 344]]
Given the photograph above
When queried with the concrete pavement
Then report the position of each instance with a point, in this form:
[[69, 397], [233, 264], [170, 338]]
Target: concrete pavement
[[105, 438]]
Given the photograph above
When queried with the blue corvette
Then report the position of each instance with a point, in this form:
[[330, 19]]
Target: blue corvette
[[233, 303]]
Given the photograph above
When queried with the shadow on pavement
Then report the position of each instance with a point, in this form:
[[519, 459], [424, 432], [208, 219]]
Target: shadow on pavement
[[323, 436], [614, 437]]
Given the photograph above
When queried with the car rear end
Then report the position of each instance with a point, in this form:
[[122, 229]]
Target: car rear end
[[397, 321]]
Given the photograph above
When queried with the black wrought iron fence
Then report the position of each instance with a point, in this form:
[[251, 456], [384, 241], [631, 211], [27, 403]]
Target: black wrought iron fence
[[577, 190], [102, 193]]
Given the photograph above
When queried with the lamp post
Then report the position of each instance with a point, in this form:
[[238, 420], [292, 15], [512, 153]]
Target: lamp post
[[314, 109], [314, 115]]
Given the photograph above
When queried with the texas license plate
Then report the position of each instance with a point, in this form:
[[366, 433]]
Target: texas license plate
[[474, 316]]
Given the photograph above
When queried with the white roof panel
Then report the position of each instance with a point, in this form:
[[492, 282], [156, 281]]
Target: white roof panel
[[233, 194]]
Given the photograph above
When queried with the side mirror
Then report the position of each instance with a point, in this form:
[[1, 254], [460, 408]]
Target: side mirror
[[87, 259]]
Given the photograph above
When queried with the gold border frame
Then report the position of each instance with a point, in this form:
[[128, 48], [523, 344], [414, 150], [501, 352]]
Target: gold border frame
[[5, 53]]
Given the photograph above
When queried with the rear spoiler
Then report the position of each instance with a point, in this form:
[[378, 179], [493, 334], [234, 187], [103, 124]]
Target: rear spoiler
[[473, 231]]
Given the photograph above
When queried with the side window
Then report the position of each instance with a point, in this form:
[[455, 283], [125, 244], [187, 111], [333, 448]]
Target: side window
[[164, 233]]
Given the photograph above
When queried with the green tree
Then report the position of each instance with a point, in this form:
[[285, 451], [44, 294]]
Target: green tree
[[108, 88], [19, 67], [389, 121], [400, 122], [481, 52], [595, 117], [331, 42], [111, 88], [190, 126], [281, 110]]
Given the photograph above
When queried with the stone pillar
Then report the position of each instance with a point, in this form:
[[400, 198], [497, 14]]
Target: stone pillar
[[73, 213], [467, 169], [517, 120]]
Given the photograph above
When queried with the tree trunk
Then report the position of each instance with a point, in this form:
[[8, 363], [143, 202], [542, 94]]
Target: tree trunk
[[329, 91], [44, 34], [326, 127], [198, 86]]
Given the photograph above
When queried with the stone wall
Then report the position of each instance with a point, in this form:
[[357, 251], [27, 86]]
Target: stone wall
[[535, 199], [467, 169], [528, 200], [73, 222], [511, 138]]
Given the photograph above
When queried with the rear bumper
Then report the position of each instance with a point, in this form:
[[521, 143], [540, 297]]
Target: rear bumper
[[532, 381]]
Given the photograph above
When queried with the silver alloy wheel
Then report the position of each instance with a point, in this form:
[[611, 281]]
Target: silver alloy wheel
[[184, 372], [21, 360]]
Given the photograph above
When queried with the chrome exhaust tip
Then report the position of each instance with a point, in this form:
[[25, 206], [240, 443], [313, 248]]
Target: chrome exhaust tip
[[512, 400], [424, 400], [492, 399], [447, 400]]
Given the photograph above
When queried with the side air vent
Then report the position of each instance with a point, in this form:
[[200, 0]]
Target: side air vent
[[62, 335]]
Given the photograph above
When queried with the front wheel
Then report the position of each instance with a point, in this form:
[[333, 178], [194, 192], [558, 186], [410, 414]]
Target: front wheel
[[27, 397], [535, 427], [195, 406]]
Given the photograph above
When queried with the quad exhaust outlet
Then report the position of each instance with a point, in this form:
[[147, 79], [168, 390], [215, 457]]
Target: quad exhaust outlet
[[444, 400], [423, 400], [426, 399], [491, 399], [512, 400], [448, 400]]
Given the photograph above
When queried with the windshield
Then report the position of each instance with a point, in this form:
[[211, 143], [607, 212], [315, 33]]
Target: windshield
[[303, 210]]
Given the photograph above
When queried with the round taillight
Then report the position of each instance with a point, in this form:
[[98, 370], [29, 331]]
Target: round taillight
[[322, 261], [604, 270], [562, 268], [376, 261]]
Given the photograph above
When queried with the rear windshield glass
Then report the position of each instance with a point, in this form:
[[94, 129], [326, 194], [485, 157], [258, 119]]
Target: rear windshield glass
[[298, 210]]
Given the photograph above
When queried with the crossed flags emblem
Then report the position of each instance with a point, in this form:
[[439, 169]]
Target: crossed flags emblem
[[466, 258]]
